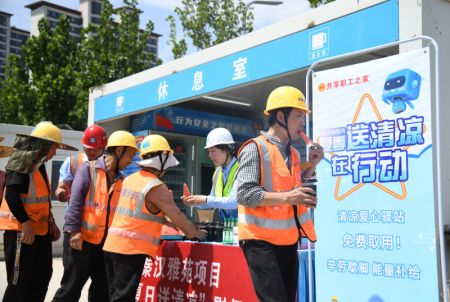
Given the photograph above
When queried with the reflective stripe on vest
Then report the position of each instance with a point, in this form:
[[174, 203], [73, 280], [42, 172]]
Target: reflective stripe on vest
[[75, 162], [36, 204], [219, 189], [275, 224], [98, 205], [133, 235], [134, 229]]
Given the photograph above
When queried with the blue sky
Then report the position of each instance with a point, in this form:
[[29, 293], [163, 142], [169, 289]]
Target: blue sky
[[157, 11]]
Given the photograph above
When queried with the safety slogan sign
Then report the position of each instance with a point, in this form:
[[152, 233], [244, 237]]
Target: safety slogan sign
[[376, 213], [196, 272]]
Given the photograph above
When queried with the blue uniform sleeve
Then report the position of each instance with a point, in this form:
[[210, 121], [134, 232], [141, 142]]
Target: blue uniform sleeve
[[65, 175], [80, 188], [225, 203]]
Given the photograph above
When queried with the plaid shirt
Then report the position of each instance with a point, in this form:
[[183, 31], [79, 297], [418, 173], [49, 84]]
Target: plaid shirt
[[249, 192]]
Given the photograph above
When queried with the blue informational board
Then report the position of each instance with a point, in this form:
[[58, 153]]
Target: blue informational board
[[199, 123], [375, 218], [370, 27]]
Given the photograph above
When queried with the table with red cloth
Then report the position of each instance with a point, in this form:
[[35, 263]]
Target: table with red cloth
[[193, 271], [204, 272]]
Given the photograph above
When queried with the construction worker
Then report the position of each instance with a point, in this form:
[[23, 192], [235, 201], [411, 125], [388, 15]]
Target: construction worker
[[136, 228], [219, 143], [273, 206], [94, 141], [93, 199], [25, 214], [4, 152]]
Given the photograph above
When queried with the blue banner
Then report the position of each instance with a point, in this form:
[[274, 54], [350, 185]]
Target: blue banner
[[178, 120], [375, 218], [353, 32], [140, 135]]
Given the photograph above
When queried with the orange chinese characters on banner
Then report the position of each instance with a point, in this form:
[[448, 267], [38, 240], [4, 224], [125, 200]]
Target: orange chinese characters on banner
[[186, 192]]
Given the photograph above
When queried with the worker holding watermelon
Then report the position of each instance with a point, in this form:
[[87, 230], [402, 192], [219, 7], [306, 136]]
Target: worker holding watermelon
[[220, 145], [135, 231]]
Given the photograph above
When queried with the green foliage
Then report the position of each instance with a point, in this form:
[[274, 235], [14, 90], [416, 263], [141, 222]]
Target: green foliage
[[53, 79], [316, 3], [38, 86], [209, 22]]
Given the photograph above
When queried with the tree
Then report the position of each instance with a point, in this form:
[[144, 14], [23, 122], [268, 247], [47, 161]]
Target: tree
[[16, 95], [316, 3], [53, 79], [113, 50], [208, 22]]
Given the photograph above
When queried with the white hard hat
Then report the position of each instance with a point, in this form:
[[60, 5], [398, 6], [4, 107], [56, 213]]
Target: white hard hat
[[219, 136]]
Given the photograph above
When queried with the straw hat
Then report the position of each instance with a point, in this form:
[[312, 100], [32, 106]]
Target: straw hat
[[5, 151]]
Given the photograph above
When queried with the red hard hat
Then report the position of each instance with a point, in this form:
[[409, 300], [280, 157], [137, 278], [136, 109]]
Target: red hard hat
[[94, 137]]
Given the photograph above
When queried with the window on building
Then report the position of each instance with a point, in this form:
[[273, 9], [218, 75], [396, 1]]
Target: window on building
[[2, 30], [2, 20], [75, 30], [151, 50], [2, 54], [95, 20], [77, 21], [96, 8], [15, 51], [52, 14], [52, 23], [2, 62], [16, 43], [2, 46], [153, 42]]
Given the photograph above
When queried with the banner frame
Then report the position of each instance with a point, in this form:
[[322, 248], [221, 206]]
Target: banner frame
[[436, 138]]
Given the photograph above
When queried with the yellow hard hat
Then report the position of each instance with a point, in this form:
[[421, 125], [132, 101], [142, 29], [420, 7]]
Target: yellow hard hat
[[154, 143], [122, 139], [49, 132], [285, 97]]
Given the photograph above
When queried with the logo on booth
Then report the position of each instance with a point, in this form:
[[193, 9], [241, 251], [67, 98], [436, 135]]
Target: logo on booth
[[319, 43], [119, 104]]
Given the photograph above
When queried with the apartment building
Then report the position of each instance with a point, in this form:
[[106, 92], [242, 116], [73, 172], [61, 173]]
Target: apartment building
[[12, 38]]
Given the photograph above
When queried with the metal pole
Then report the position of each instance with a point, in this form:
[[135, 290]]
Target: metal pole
[[247, 6], [437, 143]]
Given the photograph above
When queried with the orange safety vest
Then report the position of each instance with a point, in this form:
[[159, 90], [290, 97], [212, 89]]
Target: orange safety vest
[[75, 162], [275, 224], [36, 203], [99, 205], [134, 229]]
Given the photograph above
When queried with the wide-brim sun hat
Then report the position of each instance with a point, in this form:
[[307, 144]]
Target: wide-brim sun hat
[[49, 132]]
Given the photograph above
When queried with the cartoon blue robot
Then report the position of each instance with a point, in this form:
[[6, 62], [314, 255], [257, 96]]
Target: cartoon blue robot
[[401, 88]]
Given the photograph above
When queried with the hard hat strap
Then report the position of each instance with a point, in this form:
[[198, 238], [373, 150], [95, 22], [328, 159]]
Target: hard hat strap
[[284, 125], [116, 170], [163, 162]]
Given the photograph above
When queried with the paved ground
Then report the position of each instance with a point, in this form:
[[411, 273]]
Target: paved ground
[[54, 282]]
